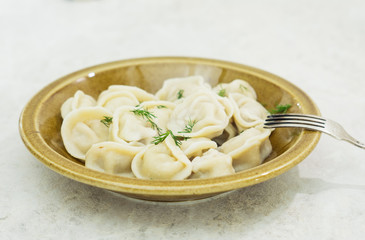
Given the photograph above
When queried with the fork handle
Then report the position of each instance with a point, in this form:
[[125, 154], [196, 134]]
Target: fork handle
[[354, 142]]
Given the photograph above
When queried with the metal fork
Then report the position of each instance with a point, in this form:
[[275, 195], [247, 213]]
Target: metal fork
[[311, 122]]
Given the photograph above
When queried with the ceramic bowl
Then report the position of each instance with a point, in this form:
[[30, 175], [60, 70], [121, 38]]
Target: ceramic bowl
[[40, 123]]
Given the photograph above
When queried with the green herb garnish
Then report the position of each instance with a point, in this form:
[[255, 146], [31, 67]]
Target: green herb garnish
[[160, 138], [280, 109], [107, 121], [180, 93], [222, 92], [161, 106], [189, 126], [177, 139], [243, 88], [148, 116]]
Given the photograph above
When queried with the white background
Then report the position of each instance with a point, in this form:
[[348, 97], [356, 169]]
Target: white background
[[317, 45]]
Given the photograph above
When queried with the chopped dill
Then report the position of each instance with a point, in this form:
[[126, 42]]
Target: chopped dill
[[280, 109], [161, 106], [189, 126], [180, 93], [148, 116], [222, 92], [140, 111], [161, 137], [243, 88], [107, 121]]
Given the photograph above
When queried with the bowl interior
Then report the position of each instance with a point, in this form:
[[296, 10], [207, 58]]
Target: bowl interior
[[42, 114]]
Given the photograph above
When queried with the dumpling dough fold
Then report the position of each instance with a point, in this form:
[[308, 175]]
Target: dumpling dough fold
[[79, 100], [111, 157], [249, 149], [164, 161], [248, 112], [187, 86], [140, 94], [212, 164], [112, 100], [237, 86], [194, 147], [203, 108], [82, 128]]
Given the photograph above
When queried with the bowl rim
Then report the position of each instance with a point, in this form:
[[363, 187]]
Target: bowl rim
[[32, 139]]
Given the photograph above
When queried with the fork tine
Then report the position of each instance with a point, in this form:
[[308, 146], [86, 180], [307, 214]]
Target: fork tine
[[281, 124], [296, 116], [310, 122], [295, 120]]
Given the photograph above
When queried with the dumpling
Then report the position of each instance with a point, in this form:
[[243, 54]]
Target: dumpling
[[236, 86], [247, 111], [194, 147], [111, 157], [129, 127], [212, 164], [175, 88], [164, 161], [79, 100], [205, 110], [111, 100], [82, 128], [140, 94], [249, 149]]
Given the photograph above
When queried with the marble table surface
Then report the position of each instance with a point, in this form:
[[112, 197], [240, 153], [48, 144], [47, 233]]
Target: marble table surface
[[317, 45]]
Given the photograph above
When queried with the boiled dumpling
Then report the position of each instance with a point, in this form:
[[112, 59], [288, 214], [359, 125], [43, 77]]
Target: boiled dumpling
[[205, 110], [194, 147], [236, 86], [82, 128], [249, 149], [131, 128], [111, 157], [176, 88], [212, 164], [140, 94], [79, 100], [112, 100], [164, 161], [247, 111]]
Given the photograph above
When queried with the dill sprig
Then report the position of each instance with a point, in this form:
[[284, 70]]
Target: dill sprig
[[243, 88], [280, 109], [180, 93], [161, 106], [189, 126], [148, 116], [178, 139], [161, 137], [222, 92], [107, 121]]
